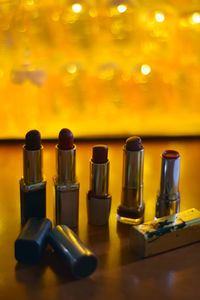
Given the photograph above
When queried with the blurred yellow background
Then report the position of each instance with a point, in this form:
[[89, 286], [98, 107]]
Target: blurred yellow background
[[100, 68]]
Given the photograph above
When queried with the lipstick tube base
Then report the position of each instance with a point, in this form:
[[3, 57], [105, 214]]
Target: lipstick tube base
[[98, 209], [132, 216], [131, 209], [166, 208], [32, 200], [67, 205]]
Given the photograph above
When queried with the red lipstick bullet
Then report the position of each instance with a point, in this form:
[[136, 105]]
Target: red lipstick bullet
[[131, 209], [32, 184], [99, 200], [66, 184]]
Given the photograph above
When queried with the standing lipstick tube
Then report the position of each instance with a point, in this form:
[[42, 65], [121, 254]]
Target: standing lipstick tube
[[32, 184], [98, 198], [168, 200], [66, 185], [131, 209]]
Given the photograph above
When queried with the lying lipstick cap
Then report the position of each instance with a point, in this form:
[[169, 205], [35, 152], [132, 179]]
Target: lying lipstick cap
[[79, 259], [30, 244]]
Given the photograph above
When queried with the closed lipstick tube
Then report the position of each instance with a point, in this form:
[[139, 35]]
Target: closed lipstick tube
[[66, 184], [131, 209], [32, 184], [98, 198], [168, 199]]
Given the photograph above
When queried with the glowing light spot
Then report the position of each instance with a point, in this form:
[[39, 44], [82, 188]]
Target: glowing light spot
[[121, 8], [145, 69], [76, 7], [159, 17], [29, 2], [196, 18], [72, 69]]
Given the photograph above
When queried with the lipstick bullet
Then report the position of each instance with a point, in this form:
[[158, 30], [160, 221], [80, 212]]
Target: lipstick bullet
[[131, 209], [168, 199], [66, 184], [98, 198], [32, 184]]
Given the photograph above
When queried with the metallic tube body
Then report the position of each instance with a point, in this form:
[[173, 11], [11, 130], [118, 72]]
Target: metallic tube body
[[66, 165], [99, 200], [131, 209], [99, 178], [168, 200], [66, 188], [32, 186], [132, 180], [169, 182], [32, 164]]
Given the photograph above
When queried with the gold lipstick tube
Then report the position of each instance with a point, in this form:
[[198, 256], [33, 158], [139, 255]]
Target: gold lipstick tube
[[99, 200], [168, 199], [32, 186], [66, 188], [32, 165], [99, 177], [131, 209]]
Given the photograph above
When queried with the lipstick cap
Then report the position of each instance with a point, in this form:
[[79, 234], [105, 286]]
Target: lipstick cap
[[30, 244], [79, 259]]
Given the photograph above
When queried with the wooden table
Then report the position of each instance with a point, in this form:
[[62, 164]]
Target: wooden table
[[120, 274]]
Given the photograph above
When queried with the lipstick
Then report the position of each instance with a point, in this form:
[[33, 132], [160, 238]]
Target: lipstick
[[98, 198], [131, 209], [32, 184], [66, 184], [168, 199]]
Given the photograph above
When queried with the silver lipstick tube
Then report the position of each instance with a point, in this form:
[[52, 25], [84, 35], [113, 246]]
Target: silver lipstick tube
[[131, 209], [168, 199], [66, 188], [99, 200], [32, 165], [32, 186]]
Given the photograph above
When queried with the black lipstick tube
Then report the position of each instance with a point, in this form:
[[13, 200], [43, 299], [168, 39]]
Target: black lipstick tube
[[98, 198], [73, 253], [131, 209], [168, 199], [66, 188], [32, 186]]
